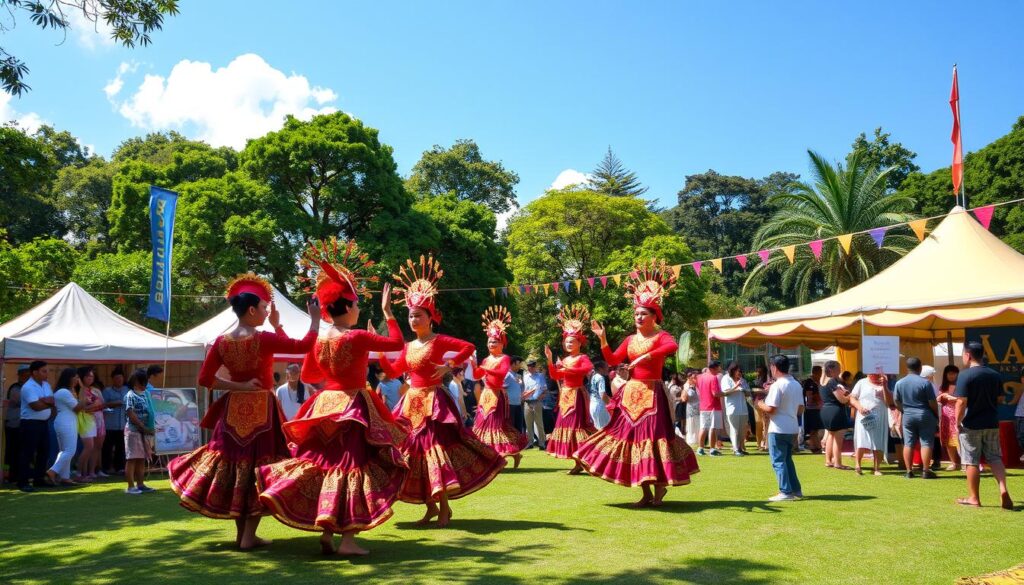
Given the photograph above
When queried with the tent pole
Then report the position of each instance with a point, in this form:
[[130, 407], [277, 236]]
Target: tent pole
[[949, 346]]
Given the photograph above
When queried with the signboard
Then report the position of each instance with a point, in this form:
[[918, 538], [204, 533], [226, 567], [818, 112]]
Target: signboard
[[881, 354], [1004, 353], [177, 420]]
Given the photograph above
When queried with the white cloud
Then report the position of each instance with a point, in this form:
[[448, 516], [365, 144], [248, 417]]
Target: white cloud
[[29, 122], [569, 177], [89, 34], [114, 86], [224, 106]]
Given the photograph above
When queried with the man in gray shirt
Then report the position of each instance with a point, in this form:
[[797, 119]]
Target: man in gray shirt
[[915, 398], [114, 419]]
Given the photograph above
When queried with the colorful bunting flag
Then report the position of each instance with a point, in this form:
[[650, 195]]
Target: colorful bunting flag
[[590, 281], [633, 275], [547, 288], [742, 259], [522, 289], [790, 252], [618, 279], [504, 291], [604, 281], [764, 254], [566, 286], [984, 215], [919, 227], [696, 268], [878, 234], [493, 294], [557, 285], [845, 240], [579, 285], [717, 263], [816, 248], [676, 269]]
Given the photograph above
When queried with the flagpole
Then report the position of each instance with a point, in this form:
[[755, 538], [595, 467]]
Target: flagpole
[[960, 136]]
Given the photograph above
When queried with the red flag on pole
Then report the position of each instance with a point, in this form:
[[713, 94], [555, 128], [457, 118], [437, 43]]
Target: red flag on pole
[[958, 151]]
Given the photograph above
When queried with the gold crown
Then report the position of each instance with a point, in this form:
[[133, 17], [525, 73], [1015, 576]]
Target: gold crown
[[337, 260], [650, 281], [496, 320], [417, 286], [573, 319]]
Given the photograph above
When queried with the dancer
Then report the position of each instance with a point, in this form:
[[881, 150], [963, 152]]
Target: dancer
[[639, 446], [493, 423], [445, 460], [347, 467], [218, 480], [573, 425]]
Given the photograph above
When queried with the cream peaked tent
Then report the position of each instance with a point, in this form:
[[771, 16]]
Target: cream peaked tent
[[960, 276], [294, 320], [72, 325]]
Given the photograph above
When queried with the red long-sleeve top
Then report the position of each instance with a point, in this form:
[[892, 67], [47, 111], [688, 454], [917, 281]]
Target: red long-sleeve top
[[495, 369], [421, 361], [572, 370], [250, 357], [341, 362], [658, 347]]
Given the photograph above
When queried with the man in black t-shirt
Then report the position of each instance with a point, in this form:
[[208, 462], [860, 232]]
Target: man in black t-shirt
[[978, 389]]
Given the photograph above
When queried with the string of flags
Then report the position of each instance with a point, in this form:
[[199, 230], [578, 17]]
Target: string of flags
[[918, 226]]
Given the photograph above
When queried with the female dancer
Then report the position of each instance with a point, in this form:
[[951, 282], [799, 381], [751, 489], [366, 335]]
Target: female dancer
[[493, 423], [445, 459], [218, 480], [573, 425], [347, 468], [639, 446]]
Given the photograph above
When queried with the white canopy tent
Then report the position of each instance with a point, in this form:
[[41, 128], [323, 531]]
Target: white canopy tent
[[73, 326]]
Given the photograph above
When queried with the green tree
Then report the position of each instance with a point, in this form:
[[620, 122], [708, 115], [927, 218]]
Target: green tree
[[841, 201], [611, 177], [880, 153], [27, 168], [573, 234], [130, 21], [82, 196], [40, 267], [462, 171]]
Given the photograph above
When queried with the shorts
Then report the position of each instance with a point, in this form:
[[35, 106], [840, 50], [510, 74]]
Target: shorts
[[812, 421], [135, 445], [978, 443], [710, 419], [919, 428]]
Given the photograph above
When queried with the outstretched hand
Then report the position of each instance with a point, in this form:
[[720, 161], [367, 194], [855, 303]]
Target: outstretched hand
[[547, 354], [597, 328], [313, 308], [385, 301], [275, 315]]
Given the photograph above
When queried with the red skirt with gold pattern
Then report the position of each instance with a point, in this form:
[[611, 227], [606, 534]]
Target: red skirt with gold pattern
[[493, 424], [573, 425]]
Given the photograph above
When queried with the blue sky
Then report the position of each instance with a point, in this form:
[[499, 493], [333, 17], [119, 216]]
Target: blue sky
[[674, 88]]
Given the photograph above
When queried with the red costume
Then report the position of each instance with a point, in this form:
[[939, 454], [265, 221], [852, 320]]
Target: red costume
[[493, 422], [346, 468], [639, 444], [219, 479], [443, 456], [572, 425]]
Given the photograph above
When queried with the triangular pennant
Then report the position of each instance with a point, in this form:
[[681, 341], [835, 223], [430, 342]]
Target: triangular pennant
[[742, 259], [790, 252], [696, 268], [764, 254], [845, 240], [547, 288], [919, 226], [878, 234], [984, 215], [579, 285], [617, 278], [676, 269], [717, 263], [590, 281], [493, 293], [815, 247], [557, 285], [633, 275], [604, 281], [504, 291], [566, 286], [522, 289]]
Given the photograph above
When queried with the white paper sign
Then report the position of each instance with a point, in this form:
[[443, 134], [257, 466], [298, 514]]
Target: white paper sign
[[881, 354]]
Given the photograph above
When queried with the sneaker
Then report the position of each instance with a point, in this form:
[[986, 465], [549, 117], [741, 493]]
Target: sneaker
[[27, 489], [909, 475], [133, 491], [799, 495], [739, 453], [700, 451], [928, 474], [145, 489], [715, 453], [101, 474], [781, 497]]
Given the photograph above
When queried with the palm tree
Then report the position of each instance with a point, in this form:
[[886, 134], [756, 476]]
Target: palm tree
[[841, 201]]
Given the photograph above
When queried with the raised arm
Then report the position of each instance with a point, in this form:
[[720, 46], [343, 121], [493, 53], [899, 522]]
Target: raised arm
[[618, 356], [395, 368], [462, 349], [279, 342], [393, 342]]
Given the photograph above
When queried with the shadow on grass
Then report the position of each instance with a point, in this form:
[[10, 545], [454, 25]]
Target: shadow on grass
[[684, 507], [735, 571], [486, 526]]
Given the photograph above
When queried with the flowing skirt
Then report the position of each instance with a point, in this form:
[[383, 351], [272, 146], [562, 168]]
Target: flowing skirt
[[573, 425], [443, 456], [346, 470], [949, 435], [218, 480], [872, 432], [493, 424], [639, 445]]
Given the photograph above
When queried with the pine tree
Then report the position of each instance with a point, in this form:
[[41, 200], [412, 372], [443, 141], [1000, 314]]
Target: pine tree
[[612, 178]]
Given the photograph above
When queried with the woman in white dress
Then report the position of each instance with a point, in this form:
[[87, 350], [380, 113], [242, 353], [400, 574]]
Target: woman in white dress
[[871, 427], [692, 400], [66, 425]]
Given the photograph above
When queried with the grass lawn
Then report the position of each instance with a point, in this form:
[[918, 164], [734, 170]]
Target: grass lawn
[[537, 525]]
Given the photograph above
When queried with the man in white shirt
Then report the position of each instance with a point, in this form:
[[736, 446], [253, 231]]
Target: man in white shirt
[[783, 405], [36, 408], [292, 393]]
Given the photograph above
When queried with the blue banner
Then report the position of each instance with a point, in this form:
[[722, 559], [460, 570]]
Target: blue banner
[[162, 204], [1004, 353]]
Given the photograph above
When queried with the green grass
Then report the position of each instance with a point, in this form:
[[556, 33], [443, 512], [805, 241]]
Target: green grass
[[537, 525]]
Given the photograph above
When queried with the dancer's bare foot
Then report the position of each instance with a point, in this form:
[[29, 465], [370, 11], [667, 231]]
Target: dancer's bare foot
[[430, 515], [445, 517], [256, 542], [659, 495], [516, 459], [327, 545], [349, 548], [575, 470]]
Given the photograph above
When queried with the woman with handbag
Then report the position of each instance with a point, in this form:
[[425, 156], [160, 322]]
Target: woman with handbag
[[871, 427]]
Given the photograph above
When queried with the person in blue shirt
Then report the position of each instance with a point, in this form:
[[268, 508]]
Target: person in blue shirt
[[514, 388]]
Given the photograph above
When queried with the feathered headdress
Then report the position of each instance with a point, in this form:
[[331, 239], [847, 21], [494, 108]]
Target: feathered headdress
[[417, 285], [573, 319], [496, 321], [648, 284], [339, 264], [249, 283]]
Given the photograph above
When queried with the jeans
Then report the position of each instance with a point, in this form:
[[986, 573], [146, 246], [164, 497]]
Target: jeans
[[35, 446], [780, 450]]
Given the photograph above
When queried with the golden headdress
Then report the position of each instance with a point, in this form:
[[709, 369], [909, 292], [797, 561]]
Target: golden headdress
[[339, 264], [649, 283], [573, 319], [252, 284], [496, 320], [418, 286]]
